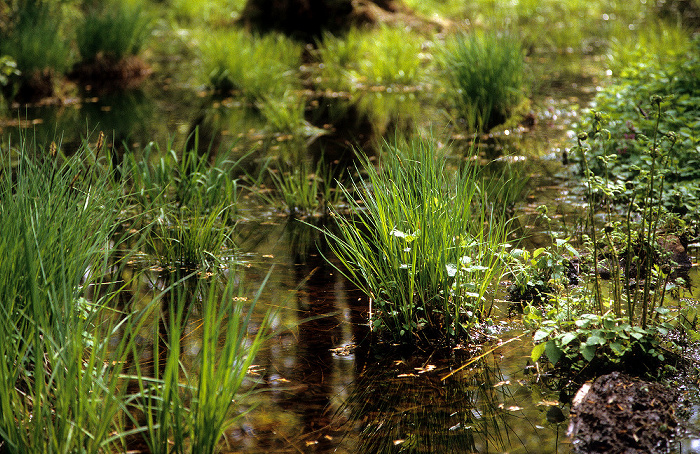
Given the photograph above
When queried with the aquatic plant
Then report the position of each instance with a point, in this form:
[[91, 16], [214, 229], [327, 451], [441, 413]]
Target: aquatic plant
[[423, 243], [485, 73], [286, 115], [60, 390], [159, 179], [306, 191], [350, 61], [253, 66], [35, 40], [615, 330], [190, 240], [71, 378], [660, 44], [187, 409], [113, 30], [8, 68]]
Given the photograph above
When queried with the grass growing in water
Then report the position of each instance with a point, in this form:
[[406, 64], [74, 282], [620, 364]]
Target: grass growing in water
[[305, 191], [115, 30], [350, 62], [188, 410], [424, 244], [256, 66], [168, 179], [59, 390], [486, 76], [67, 347]]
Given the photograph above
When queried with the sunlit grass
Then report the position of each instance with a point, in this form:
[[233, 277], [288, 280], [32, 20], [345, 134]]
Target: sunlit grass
[[304, 190], [70, 338], [115, 30], [167, 179], [59, 389], [659, 42], [207, 11], [379, 57], [190, 240], [187, 409], [254, 66], [423, 244], [485, 73]]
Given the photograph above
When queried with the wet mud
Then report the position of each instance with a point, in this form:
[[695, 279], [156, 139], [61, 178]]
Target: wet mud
[[620, 414]]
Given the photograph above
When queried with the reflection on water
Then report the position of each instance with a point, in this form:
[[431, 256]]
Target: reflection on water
[[319, 391]]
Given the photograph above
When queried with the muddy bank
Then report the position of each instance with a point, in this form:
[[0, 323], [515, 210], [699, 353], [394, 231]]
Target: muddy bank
[[620, 414]]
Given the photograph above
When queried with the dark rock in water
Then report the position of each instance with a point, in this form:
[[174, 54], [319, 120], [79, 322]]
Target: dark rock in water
[[620, 414]]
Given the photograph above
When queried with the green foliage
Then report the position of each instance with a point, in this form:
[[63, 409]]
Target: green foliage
[[59, 389], [351, 62], [114, 30], [422, 243], [191, 240], [257, 67], [636, 243], [544, 271], [632, 122], [34, 39], [212, 12], [188, 410], [485, 74], [161, 179], [70, 350], [598, 342], [8, 69], [658, 44], [631, 320], [305, 191]]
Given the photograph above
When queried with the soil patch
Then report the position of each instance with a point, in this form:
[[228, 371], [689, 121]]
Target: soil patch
[[620, 414]]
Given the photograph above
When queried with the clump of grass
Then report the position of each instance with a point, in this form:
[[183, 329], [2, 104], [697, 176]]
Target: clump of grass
[[254, 66], [188, 410], [36, 43], [376, 58], [660, 43], [113, 30], [67, 374], [192, 240], [305, 191], [485, 73], [286, 115], [59, 389], [168, 179], [423, 244]]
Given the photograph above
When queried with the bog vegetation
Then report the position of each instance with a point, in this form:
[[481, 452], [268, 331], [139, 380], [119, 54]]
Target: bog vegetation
[[416, 211]]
